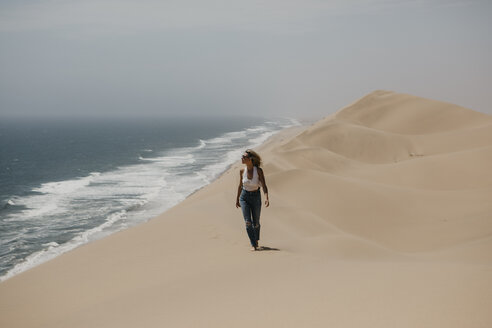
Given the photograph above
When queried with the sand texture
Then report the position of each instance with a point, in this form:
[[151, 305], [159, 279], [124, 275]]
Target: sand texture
[[380, 216]]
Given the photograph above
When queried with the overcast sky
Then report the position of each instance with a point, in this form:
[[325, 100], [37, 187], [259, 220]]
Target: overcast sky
[[300, 58]]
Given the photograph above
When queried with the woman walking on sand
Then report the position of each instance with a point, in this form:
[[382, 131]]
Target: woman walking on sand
[[248, 194]]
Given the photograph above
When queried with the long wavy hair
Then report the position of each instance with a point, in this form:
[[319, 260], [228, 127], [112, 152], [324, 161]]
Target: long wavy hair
[[255, 158]]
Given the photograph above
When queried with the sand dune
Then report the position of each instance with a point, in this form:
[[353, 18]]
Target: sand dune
[[380, 216], [356, 142], [408, 192], [407, 114]]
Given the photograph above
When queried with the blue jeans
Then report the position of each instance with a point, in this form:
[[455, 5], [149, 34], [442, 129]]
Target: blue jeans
[[250, 202]]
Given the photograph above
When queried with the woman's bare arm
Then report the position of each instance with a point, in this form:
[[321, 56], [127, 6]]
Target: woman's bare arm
[[239, 188], [263, 183]]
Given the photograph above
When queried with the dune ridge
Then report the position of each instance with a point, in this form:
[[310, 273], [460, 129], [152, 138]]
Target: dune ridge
[[380, 216]]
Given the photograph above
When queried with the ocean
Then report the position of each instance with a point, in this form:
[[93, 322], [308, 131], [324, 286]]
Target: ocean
[[67, 183]]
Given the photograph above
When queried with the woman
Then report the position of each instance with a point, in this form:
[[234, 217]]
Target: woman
[[249, 196]]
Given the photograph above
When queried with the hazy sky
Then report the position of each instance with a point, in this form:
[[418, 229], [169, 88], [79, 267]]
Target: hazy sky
[[301, 58]]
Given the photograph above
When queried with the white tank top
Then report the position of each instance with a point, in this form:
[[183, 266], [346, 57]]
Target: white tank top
[[254, 183]]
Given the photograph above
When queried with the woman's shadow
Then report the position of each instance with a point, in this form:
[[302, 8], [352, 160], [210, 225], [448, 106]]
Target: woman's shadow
[[266, 248]]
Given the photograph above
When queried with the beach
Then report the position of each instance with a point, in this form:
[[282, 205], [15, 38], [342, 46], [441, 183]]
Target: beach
[[380, 216]]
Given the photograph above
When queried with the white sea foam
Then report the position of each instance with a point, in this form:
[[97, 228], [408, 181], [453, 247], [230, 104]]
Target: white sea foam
[[201, 145], [51, 196], [257, 129], [219, 140], [131, 194], [64, 187], [260, 139], [53, 249]]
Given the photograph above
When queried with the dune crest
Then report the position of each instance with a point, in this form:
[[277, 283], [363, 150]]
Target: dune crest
[[407, 114]]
